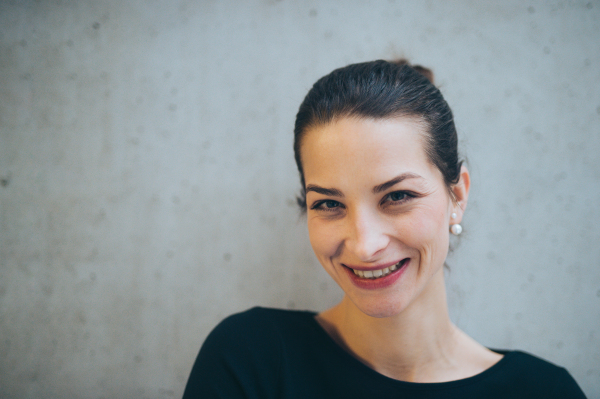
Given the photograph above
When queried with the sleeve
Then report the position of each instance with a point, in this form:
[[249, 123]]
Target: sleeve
[[239, 359], [566, 387]]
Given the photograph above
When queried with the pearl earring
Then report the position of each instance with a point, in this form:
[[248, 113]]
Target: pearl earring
[[456, 229], [453, 216]]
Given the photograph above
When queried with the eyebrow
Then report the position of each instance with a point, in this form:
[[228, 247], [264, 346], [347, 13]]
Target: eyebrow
[[394, 181], [334, 192]]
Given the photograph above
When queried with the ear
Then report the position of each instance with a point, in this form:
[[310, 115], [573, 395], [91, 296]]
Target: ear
[[461, 195]]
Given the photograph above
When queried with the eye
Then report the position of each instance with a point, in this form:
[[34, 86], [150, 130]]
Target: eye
[[397, 197], [326, 205]]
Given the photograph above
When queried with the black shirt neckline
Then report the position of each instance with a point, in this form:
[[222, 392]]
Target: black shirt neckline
[[330, 343]]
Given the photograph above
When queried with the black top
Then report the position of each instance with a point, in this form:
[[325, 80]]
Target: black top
[[269, 353]]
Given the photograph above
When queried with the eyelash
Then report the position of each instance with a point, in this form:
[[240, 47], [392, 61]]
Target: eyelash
[[317, 206], [406, 196]]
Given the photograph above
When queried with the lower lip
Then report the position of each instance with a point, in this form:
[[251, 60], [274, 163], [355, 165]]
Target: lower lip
[[378, 283]]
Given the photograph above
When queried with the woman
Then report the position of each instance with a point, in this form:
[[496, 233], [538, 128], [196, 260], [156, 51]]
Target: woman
[[383, 187]]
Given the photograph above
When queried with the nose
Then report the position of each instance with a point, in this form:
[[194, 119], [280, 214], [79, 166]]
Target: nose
[[367, 236]]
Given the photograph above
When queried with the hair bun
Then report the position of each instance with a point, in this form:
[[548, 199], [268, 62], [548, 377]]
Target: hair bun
[[428, 73]]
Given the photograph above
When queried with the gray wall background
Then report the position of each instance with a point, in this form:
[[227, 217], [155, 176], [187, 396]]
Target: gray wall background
[[147, 180]]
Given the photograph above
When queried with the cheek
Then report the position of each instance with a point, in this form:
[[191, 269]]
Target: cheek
[[323, 239], [427, 232], [425, 224]]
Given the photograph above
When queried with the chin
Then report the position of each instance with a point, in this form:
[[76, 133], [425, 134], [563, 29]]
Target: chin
[[380, 310]]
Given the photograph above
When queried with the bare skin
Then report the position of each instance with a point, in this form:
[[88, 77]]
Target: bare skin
[[409, 347], [361, 216]]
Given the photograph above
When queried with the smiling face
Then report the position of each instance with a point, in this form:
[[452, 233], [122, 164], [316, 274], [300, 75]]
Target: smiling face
[[378, 211]]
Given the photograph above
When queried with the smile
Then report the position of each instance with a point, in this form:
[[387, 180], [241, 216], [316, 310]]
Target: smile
[[378, 273]]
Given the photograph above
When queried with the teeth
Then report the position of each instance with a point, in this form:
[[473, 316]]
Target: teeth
[[373, 274]]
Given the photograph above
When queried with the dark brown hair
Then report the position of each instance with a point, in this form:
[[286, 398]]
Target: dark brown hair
[[382, 90]]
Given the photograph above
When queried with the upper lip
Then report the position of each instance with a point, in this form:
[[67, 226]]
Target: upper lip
[[375, 267]]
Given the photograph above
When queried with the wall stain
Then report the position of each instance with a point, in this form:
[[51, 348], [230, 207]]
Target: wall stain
[[4, 181], [80, 318], [47, 289], [518, 316], [167, 392]]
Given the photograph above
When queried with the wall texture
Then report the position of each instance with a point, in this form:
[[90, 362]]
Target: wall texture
[[147, 179]]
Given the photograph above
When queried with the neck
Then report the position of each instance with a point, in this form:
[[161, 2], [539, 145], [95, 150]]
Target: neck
[[419, 344]]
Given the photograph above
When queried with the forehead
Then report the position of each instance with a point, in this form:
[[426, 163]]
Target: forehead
[[352, 148]]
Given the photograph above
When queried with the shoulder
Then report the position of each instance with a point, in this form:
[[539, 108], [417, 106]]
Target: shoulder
[[536, 377], [242, 355], [530, 365], [266, 327], [520, 359], [258, 321], [258, 313]]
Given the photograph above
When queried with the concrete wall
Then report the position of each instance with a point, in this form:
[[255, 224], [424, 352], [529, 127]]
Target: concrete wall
[[147, 182]]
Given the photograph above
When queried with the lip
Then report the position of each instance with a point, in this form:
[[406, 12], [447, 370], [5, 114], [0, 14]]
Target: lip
[[381, 282]]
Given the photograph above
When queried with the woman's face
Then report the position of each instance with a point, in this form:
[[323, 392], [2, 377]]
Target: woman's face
[[378, 211]]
